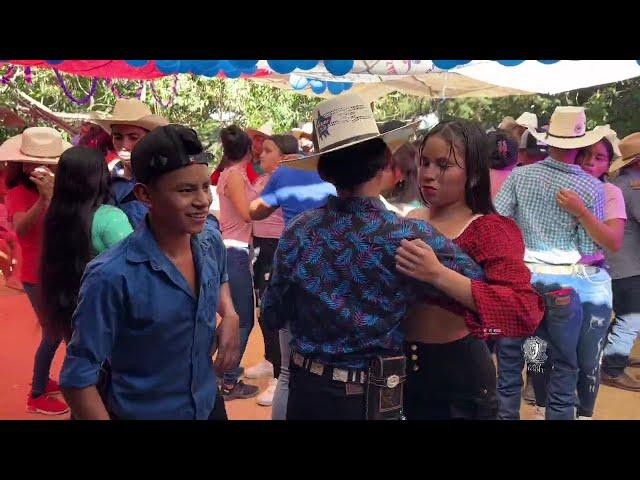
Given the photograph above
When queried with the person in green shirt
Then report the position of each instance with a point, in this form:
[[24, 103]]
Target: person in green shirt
[[78, 226]]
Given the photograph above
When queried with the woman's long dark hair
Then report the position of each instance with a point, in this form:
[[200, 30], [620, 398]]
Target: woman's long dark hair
[[471, 140], [81, 186]]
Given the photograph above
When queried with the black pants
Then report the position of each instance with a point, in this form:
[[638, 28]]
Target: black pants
[[261, 273], [314, 397], [454, 380], [219, 411]]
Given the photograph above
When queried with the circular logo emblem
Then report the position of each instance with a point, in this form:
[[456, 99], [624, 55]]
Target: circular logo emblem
[[393, 381], [534, 349]]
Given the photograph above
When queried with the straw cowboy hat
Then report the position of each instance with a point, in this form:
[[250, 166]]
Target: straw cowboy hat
[[528, 120], [266, 130], [305, 132], [567, 130], [41, 145], [629, 151], [345, 121], [506, 123], [130, 111]]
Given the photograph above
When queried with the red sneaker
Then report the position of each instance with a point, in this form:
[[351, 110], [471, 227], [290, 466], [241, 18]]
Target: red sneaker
[[52, 387], [46, 405]]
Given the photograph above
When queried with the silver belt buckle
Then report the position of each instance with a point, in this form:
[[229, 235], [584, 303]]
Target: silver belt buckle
[[393, 381], [340, 375], [316, 368]]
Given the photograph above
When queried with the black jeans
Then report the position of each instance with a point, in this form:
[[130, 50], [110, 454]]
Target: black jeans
[[47, 348], [455, 380], [261, 274], [314, 397], [219, 411]]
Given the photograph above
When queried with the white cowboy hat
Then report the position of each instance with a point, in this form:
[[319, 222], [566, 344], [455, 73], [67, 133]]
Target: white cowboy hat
[[528, 120], [345, 121], [306, 131], [41, 145], [567, 130], [266, 130], [629, 148], [130, 111]]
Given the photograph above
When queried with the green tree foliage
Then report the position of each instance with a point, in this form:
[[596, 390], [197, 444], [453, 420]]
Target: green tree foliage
[[209, 104], [616, 104], [205, 104]]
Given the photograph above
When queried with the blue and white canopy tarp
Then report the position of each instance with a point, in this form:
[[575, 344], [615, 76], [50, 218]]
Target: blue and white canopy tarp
[[450, 78]]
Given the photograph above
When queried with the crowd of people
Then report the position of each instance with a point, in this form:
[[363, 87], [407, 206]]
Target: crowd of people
[[393, 274]]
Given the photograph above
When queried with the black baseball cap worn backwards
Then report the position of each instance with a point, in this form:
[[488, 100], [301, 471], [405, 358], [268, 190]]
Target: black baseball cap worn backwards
[[166, 149]]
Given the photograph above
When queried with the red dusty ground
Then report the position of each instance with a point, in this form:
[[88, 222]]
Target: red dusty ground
[[20, 335]]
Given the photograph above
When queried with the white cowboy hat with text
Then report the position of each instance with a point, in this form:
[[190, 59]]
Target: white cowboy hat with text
[[344, 121]]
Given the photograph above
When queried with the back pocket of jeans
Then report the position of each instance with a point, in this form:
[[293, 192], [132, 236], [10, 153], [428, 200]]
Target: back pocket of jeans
[[560, 305]]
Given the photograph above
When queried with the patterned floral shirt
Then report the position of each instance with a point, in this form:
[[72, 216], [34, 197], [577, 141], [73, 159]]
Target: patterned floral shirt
[[335, 283]]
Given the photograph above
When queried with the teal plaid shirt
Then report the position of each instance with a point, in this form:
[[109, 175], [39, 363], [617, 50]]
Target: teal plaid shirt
[[551, 235]]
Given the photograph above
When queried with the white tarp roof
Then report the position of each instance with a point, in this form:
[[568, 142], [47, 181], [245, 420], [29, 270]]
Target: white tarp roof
[[480, 78], [562, 76]]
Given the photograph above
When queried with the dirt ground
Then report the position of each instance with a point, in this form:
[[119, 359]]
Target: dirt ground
[[19, 337]]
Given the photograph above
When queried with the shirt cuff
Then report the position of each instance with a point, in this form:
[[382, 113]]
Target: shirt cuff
[[78, 372], [270, 200]]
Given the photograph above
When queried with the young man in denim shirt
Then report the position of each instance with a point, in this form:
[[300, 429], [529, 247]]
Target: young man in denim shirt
[[148, 305]]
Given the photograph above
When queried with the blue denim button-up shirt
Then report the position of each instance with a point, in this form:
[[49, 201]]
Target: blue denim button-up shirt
[[137, 311], [122, 196]]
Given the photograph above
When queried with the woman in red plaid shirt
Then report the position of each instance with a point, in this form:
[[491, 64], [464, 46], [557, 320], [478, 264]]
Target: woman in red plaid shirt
[[450, 370]]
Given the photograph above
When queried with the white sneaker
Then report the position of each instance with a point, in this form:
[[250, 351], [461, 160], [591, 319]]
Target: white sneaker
[[580, 417], [263, 369], [265, 399], [538, 413]]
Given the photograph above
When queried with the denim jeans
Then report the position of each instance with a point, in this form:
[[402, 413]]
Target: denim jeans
[[594, 293], [625, 329], [241, 285], [46, 350], [510, 365], [281, 396], [596, 313]]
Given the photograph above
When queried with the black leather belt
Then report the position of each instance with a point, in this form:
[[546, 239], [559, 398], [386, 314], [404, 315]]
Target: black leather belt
[[344, 375]]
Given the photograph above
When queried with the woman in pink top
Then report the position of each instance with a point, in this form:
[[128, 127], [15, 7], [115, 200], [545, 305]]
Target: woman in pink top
[[595, 160], [266, 234], [234, 191]]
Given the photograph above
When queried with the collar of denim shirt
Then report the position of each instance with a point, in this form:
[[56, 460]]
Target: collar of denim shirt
[[143, 247]]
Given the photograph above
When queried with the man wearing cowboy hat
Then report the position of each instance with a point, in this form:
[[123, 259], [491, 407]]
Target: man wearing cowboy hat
[[129, 122], [531, 149], [520, 125], [258, 136], [305, 137], [554, 243], [334, 279], [625, 273], [149, 304]]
